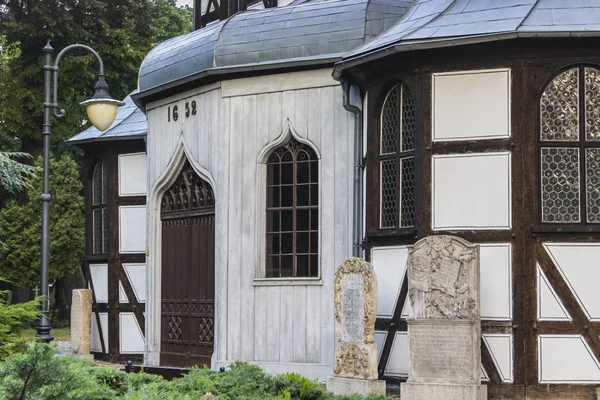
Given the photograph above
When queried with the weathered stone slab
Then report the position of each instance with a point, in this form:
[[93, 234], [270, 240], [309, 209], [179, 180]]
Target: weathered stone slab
[[355, 290], [344, 386], [444, 333], [81, 311]]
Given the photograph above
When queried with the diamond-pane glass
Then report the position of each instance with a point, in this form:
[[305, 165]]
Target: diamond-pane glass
[[104, 230], [97, 228], [104, 185], [390, 123], [560, 185], [389, 197], [409, 125], [407, 215], [97, 184], [559, 108], [592, 104], [592, 168]]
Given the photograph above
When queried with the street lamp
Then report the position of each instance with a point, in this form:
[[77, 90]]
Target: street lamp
[[101, 111]]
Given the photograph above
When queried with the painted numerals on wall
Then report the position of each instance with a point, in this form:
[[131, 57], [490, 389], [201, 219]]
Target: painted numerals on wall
[[190, 109]]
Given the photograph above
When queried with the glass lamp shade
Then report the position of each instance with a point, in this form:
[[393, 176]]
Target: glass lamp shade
[[102, 113]]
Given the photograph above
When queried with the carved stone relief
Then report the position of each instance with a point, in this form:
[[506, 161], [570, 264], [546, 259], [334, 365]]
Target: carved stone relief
[[442, 283]]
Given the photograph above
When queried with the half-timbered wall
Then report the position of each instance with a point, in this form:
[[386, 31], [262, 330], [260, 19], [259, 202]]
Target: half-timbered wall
[[226, 131], [478, 177], [117, 272]]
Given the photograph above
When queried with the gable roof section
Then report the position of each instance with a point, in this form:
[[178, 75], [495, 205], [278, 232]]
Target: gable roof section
[[130, 123], [312, 32], [443, 23]]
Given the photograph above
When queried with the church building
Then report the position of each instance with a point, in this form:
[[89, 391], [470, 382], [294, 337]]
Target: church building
[[282, 139]]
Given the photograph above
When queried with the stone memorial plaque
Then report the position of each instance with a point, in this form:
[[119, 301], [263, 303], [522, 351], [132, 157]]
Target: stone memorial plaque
[[81, 310], [355, 290], [444, 334], [353, 308]]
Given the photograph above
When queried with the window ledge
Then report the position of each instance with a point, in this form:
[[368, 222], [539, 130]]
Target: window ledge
[[287, 282], [565, 229]]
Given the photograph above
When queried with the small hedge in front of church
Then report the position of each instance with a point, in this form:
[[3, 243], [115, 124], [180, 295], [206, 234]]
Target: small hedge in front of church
[[39, 374]]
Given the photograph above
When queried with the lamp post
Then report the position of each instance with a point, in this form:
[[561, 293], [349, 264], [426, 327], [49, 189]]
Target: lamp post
[[101, 110]]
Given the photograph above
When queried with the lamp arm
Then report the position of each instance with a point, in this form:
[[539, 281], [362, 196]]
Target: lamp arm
[[61, 113]]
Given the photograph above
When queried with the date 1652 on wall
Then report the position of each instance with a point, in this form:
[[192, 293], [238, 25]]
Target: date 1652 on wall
[[173, 112]]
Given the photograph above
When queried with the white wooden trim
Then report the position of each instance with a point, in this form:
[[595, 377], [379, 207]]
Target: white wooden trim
[[473, 72], [153, 263], [278, 83], [467, 227], [120, 178], [183, 96]]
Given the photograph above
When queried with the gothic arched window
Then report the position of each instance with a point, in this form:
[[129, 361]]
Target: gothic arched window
[[99, 213], [292, 212], [570, 147], [397, 159]]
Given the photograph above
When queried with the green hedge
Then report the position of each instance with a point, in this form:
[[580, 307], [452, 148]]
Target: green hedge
[[38, 374]]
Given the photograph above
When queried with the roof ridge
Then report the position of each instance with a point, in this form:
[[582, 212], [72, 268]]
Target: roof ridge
[[535, 3]]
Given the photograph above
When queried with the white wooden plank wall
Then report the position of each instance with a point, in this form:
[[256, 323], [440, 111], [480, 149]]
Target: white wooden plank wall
[[285, 324]]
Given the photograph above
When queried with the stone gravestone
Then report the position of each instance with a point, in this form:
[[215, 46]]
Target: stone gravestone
[[444, 331], [81, 312], [355, 291]]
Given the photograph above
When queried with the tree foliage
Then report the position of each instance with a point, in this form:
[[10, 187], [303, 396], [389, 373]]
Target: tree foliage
[[20, 227], [121, 31], [14, 174]]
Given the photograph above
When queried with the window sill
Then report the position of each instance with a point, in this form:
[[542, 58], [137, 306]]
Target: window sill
[[287, 282], [392, 232], [565, 229]]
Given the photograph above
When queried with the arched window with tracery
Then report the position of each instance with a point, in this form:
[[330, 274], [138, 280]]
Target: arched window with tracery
[[570, 147], [99, 210], [292, 212], [397, 159]]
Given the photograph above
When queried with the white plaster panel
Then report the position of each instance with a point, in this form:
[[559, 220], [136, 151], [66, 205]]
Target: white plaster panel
[[95, 344], [579, 264], [389, 264], [471, 105], [549, 305], [131, 339], [132, 229], [122, 295], [501, 349], [566, 359], [132, 174], [407, 309], [99, 275], [472, 191], [398, 360], [136, 273], [380, 341], [496, 282]]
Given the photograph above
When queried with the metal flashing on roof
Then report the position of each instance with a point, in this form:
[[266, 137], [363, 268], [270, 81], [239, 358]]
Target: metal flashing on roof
[[302, 34], [130, 123], [442, 23]]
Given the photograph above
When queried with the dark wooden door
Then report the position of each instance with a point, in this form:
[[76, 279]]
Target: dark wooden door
[[188, 271]]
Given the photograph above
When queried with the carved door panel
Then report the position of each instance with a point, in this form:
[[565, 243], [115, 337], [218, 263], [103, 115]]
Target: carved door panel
[[188, 271]]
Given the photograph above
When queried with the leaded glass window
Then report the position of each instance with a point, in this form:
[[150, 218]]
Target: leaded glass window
[[397, 159], [292, 212], [570, 147], [99, 209]]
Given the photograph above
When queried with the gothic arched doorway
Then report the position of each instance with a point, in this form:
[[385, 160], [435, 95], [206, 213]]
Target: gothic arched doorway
[[188, 271]]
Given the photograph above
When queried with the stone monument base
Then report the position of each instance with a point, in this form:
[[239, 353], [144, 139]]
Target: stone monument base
[[339, 385], [440, 391]]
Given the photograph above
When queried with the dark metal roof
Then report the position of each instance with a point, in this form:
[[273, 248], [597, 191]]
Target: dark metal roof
[[443, 23], [130, 123], [313, 32]]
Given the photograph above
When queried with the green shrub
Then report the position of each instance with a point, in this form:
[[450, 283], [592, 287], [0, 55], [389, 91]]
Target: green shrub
[[14, 319]]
